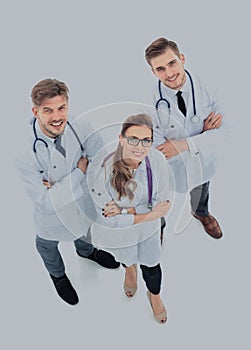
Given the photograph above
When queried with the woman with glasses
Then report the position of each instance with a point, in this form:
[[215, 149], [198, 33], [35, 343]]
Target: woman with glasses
[[131, 195]]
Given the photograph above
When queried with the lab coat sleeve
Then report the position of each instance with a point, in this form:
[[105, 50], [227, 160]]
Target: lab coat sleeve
[[93, 144], [208, 143], [117, 221], [163, 177], [158, 138], [142, 209], [46, 201], [90, 138]]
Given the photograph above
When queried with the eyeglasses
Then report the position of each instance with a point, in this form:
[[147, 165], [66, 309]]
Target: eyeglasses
[[134, 142]]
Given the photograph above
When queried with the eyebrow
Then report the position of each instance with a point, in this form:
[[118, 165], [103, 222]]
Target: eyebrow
[[46, 107], [135, 137], [170, 62], [160, 67]]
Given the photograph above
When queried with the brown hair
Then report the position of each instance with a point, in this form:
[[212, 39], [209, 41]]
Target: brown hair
[[160, 46], [122, 177], [48, 88]]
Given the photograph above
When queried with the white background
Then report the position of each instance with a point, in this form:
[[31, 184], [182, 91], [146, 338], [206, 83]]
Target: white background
[[97, 48]]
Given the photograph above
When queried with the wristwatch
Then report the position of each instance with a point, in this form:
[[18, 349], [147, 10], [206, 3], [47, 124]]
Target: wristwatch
[[124, 211]]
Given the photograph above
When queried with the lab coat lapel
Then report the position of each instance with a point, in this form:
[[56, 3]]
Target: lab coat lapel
[[73, 152]]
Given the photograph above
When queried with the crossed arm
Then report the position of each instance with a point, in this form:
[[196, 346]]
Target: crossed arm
[[159, 210], [172, 148], [82, 165]]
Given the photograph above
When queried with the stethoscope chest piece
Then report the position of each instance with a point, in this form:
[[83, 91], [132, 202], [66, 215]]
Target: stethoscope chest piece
[[195, 119]]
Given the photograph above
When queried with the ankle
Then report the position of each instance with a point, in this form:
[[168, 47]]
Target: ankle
[[155, 297], [54, 278], [130, 268]]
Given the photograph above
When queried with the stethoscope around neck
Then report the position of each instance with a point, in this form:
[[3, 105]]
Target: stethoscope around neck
[[195, 119], [39, 139]]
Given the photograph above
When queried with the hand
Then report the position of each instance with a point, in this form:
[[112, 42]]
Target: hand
[[83, 164], [172, 148], [47, 184], [111, 209], [213, 121], [160, 209]]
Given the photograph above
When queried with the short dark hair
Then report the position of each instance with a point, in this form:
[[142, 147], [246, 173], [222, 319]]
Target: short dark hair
[[48, 88], [158, 47]]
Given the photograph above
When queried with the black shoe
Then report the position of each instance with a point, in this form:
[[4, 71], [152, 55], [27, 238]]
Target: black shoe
[[102, 258], [65, 289]]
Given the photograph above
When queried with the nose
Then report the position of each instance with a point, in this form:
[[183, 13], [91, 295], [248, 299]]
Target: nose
[[57, 115], [169, 73], [140, 146]]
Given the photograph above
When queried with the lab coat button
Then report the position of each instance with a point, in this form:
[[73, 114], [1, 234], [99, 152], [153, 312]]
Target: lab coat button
[[54, 166], [99, 194]]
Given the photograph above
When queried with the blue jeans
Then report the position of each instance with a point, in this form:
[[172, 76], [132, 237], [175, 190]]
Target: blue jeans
[[51, 256], [199, 199]]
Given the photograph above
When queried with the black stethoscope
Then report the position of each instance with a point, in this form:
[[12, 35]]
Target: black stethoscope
[[39, 139], [195, 119], [149, 178]]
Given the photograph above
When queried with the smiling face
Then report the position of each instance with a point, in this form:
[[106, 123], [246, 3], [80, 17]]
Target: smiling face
[[52, 115], [135, 154], [169, 68]]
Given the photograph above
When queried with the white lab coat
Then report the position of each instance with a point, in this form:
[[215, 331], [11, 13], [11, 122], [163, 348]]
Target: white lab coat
[[196, 166], [65, 211], [129, 243]]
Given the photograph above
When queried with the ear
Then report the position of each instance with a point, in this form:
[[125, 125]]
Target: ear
[[122, 141], [182, 58], [34, 111]]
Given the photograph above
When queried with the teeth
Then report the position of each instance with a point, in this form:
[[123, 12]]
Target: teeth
[[172, 79], [56, 124]]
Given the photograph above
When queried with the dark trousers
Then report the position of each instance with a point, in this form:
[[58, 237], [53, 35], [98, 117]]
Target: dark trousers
[[52, 258], [152, 277], [199, 199]]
